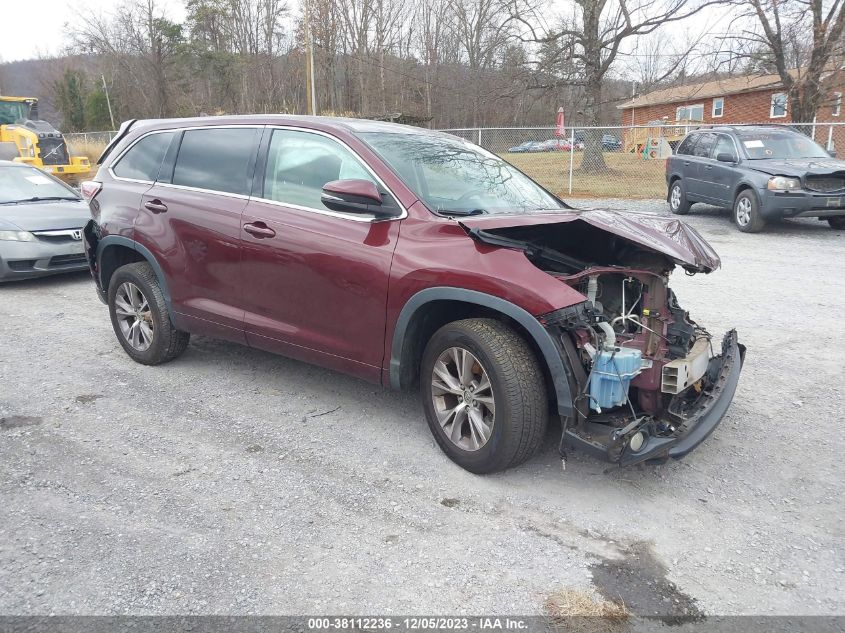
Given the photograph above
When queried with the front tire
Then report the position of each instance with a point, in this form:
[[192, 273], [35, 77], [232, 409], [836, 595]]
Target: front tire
[[837, 223], [746, 213], [139, 316], [484, 395], [678, 203]]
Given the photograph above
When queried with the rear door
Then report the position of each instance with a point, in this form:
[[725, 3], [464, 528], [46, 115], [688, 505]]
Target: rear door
[[191, 220], [133, 173], [696, 165], [315, 281]]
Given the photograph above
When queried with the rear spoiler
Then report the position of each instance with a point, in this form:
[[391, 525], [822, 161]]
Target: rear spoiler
[[124, 128]]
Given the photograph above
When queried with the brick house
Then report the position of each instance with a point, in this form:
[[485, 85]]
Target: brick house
[[745, 99]]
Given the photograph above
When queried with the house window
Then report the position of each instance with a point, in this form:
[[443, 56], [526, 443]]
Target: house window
[[718, 107], [690, 113], [778, 107], [837, 103]]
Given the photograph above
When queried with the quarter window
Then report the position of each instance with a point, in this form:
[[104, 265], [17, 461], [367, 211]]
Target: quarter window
[[300, 163], [217, 159], [778, 108], [718, 107], [143, 159]]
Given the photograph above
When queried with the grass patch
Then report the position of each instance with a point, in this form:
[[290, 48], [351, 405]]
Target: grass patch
[[91, 150], [573, 609], [627, 176]]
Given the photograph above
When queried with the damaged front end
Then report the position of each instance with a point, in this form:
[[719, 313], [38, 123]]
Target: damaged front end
[[648, 382]]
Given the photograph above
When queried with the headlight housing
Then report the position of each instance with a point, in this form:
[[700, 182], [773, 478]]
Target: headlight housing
[[17, 236], [783, 183]]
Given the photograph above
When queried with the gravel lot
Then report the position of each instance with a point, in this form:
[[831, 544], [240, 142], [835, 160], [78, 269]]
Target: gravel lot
[[234, 481]]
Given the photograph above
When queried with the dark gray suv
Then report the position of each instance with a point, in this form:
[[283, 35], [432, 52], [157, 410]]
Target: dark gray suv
[[762, 173]]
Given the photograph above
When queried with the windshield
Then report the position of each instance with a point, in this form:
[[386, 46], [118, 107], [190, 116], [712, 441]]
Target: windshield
[[20, 184], [453, 177], [11, 111], [779, 144]]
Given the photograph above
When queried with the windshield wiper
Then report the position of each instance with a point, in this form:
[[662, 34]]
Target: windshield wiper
[[41, 199], [461, 212]]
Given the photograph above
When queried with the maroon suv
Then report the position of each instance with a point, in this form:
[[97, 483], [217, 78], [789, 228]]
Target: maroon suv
[[409, 257]]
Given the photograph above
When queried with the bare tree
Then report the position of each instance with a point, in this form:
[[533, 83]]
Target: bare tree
[[797, 40], [599, 29]]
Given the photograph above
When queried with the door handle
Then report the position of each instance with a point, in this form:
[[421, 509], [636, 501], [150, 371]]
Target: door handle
[[709, 166], [259, 229], [156, 206], [686, 163]]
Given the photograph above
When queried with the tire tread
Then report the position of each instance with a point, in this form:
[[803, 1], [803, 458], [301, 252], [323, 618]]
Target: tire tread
[[523, 384]]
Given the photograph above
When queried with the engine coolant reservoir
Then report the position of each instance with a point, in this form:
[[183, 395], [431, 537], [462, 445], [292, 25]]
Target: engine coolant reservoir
[[612, 373]]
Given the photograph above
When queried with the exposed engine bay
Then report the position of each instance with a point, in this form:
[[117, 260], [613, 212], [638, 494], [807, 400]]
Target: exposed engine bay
[[645, 376]]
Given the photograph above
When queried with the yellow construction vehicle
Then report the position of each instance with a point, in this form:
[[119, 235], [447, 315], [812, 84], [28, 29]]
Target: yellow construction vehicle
[[26, 139]]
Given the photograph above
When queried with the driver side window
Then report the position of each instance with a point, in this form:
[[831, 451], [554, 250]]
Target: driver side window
[[300, 163], [724, 145]]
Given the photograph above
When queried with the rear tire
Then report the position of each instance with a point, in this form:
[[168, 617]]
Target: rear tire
[[139, 316], [746, 213], [678, 203], [837, 223], [492, 413]]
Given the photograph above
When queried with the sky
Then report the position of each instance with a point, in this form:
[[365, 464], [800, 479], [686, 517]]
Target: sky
[[48, 19]]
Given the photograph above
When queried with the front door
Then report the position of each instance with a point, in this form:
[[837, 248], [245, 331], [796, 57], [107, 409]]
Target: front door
[[719, 176], [314, 281], [191, 218]]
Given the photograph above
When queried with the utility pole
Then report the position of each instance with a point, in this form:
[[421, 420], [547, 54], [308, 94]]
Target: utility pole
[[310, 93], [108, 101]]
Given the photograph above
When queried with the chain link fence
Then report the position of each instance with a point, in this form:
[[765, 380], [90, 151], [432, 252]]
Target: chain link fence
[[90, 144], [626, 162]]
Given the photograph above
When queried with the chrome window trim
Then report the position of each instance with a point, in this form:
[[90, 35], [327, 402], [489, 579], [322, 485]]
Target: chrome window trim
[[335, 214], [227, 194], [176, 130]]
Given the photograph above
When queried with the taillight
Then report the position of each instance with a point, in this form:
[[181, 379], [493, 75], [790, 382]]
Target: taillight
[[89, 189]]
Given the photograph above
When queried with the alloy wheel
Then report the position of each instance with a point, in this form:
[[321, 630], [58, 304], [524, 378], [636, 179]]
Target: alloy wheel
[[463, 398], [743, 211], [675, 198], [133, 316]]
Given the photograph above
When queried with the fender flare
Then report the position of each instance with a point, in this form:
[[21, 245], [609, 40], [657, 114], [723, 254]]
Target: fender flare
[[541, 337], [143, 251]]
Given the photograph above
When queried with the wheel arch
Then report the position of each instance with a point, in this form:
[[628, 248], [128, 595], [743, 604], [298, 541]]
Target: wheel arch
[[114, 251], [673, 178], [428, 310], [744, 185]]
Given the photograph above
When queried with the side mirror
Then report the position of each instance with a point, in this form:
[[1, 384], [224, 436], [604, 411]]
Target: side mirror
[[832, 153], [725, 157], [353, 195]]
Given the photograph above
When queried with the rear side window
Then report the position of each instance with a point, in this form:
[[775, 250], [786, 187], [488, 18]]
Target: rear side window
[[686, 145], [143, 159], [219, 159], [704, 145]]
